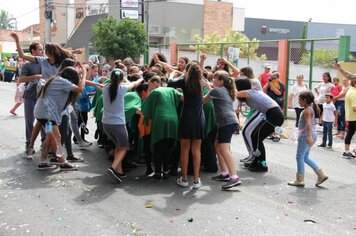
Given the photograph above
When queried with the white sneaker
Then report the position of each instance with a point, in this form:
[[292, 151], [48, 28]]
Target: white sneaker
[[84, 144], [197, 184], [30, 153], [182, 183]]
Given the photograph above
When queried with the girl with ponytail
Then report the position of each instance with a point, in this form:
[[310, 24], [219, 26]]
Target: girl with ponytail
[[223, 96], [113, 120]]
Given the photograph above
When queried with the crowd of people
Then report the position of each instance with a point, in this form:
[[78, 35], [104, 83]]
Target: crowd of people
[[173, 116]]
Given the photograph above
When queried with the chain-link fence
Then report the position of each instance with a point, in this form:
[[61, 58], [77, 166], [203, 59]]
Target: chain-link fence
[[309, 57]]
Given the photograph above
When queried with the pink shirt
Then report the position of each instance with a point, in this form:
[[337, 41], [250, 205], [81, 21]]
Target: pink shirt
[[335, 90]]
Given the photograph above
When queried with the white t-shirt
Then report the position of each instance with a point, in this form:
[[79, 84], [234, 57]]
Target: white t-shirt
[[328, 112], [323, 89], [296, 90]]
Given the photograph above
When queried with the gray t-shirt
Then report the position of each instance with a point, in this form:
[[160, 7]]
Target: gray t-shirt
[[260, 101], [114, 113], [223, 107], [29, 69], [47, 68], [51, 105]]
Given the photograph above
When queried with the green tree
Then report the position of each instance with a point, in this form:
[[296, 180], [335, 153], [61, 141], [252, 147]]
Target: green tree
[[231, 39], [5, 19], [322, 58], [119, 39]]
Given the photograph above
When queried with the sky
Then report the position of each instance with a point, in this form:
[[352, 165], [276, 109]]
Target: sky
[[325, 11]]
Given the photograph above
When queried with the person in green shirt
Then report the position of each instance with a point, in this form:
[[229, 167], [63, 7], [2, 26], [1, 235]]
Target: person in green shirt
[[161, 106]]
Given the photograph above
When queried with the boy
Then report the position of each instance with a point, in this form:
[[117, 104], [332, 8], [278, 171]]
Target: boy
[[329, 114]]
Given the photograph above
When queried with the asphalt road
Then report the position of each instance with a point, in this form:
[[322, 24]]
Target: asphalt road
[[87, 202]]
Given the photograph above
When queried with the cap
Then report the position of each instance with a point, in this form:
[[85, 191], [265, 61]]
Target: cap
[[268, 66]]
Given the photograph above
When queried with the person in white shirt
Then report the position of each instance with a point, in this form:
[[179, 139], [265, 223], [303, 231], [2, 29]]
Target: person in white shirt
[[293, 98], [329, 115]]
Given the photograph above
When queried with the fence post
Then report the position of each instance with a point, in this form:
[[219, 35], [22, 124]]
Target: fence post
[[222, 50], [173, 53], [282, 62], [311, 64], [287, 81], [146, 55], [344, 48]]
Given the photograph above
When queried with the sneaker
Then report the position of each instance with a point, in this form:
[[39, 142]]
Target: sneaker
[[182, 183], [258, 167], [66, 166], [157, 176], [197, 184], [84, 144], [114, 174], [244, 159], [221, 177], [149, 173], [322, 145], [231, 183], [72, 158], [30, 153], [348, 155], [276, 139], [46, 166], [54, 160]]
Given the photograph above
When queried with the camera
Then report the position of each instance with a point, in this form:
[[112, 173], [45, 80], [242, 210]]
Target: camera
[[270, 79]]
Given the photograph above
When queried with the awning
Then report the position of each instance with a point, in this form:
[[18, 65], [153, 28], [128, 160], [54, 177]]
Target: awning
[[83, 34]]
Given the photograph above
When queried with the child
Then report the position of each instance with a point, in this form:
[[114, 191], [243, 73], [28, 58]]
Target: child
[[223, 96], [306, 139], [329, 114]]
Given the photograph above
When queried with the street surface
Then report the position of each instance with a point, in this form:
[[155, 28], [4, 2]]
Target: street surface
[[87, 202]]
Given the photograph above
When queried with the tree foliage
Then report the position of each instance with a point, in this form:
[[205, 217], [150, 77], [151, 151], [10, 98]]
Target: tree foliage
[[119, 39], [321, 57], [5, 20], [231, 39]]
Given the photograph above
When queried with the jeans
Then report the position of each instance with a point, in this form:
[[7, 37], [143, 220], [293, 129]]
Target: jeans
[[340, 108], [303, 150], [328, 132]]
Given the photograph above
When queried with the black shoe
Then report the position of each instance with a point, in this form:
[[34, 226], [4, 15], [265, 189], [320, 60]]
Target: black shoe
[[66, 166], [231, 183], [46, 166], [322, 145], [276, 139], [258, 168], [114, 174], [72, 158], [221, 177], [157, 176], [149, 173]]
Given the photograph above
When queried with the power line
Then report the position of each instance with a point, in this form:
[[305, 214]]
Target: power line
[[73, 5], [29, 12]]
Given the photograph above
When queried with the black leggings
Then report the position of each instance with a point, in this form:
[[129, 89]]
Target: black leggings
[[162, 151], [297, 113], [274, 117], [350, 132]]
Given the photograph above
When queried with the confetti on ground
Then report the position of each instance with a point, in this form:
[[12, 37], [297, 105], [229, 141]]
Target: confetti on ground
[[149, 206], [190, 220]]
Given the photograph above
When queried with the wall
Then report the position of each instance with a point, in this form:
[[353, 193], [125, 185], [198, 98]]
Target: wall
[[217, 17]]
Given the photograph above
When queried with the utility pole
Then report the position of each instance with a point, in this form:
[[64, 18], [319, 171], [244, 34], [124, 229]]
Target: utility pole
[[145, 4], [48, 17]]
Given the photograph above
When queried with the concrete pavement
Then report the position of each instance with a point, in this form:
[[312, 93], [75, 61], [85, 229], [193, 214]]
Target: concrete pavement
[[87, 202]]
